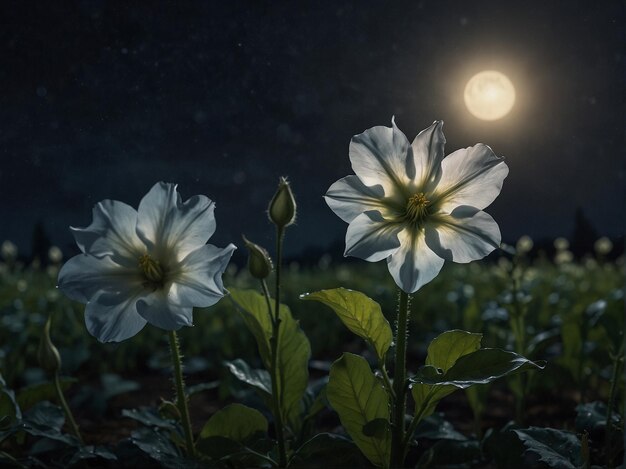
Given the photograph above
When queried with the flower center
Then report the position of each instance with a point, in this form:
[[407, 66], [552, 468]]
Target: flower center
[[417, 207], [152, 270]]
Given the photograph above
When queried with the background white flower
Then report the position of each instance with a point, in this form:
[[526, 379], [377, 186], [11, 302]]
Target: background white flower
[[147, 265], [410, 205]]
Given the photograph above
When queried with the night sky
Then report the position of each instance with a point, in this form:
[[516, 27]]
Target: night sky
[[101, 100]]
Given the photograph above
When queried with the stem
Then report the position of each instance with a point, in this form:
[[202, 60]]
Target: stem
[[417, 419], [617, 359], [181, 397], [68, 412], [519, 333], [276, 391], [399, 382], [387, 381], [278, 417]]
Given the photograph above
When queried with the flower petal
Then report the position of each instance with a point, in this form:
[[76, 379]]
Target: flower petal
[[159, 310], [349, 197], [471, 176], [167, 224], [83, 276], [200, 283], [371, 237], [111, 233], [113, 317], [414, 264], [467, 234], [379, 157], [428, 152]]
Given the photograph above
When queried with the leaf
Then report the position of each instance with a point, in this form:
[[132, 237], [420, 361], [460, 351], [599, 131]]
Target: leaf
[[592, 416], [443, 352], [235, 454], [259, 379], [235, 422], [447, 348], [376, 428], [556, 448], [436, 428], [92, 452], [359, 397], [46, 420], [9, 406], [327, 450], [480, 367], [149, 417], [155, 444], [359, 313], [28, 396], [294, 350], [197, 388]]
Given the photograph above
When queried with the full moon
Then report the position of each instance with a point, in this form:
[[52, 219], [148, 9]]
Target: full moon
[[489, 95]]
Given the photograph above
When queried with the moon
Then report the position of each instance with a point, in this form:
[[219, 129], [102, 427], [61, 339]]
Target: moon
[[489, 95]]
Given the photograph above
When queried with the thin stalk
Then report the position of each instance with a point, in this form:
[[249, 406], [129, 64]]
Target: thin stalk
[[278, 416], [181, 397], [282, 450], [387, 381], [617, 360], [66, 408], [399, 382]]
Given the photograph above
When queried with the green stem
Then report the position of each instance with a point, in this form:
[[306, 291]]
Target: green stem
[[399, 382], [278, 417], [387, 381], [66, 408], [282, 450], [181, 396], [617, 360]]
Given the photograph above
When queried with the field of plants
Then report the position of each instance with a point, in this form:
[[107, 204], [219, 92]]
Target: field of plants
[[563, 317]]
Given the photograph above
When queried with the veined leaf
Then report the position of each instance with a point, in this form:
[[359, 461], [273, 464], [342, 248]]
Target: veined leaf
[[259, 379], [235, 422], [447, 348], [480, 367], [294, 349], [443, 352], [556, 448], [359, 398], [360, 314]]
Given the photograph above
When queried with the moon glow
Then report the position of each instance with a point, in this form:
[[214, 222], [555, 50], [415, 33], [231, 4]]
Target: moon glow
[[489, 95]]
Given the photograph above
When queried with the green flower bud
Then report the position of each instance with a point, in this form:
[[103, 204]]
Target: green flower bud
[[48, 355], [169, 410], [259, 261], [282, 209]]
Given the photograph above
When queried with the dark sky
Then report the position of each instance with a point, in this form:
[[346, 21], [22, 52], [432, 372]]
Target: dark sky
[[100, 100]]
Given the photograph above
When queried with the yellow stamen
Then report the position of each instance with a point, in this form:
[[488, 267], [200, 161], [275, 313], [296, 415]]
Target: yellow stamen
[[152, 270], [417, 207]]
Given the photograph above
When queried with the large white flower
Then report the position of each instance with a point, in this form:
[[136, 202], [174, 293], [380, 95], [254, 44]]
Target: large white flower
[[147, 265], [410, 205]]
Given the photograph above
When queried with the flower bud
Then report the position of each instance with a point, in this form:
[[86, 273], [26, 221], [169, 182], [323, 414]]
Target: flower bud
[[603, 246], [48, 355], [9, 251], [169, 410], [259, 261], [524, 244], [282, 209]]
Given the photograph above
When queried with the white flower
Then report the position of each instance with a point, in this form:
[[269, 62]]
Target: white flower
[[147, 265], [410, 205]]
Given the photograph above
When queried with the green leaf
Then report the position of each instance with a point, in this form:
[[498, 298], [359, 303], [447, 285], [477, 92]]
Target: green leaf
[[376, 428], [9, 406], [447, 348], [92, 452], [259, 379], [443, 352], [327, 450], [149, 417], [28, 396], [359, 397], [480, 367], [556, 448], [155, 444], [360, 314], [294, 349], [235, 422]]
